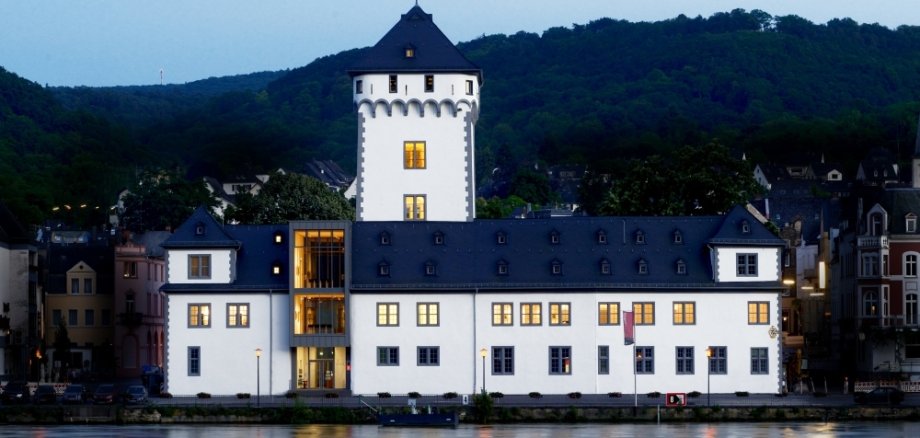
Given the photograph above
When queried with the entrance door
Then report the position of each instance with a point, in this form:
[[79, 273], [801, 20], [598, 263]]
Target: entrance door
[[322, 374]]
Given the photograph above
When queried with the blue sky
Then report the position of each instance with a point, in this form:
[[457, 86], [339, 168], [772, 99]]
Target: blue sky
[[128, 42]]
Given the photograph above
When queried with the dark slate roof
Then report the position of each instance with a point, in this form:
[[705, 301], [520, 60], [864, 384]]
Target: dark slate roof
[[213, 235], [471, 253], [152, 241], [810, 211], [328, 172], [434, 52], [61, 258], [917, 142], [898, 203], [732, 230]]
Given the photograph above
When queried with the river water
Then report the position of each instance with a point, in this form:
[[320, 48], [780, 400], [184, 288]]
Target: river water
[[741, 430]]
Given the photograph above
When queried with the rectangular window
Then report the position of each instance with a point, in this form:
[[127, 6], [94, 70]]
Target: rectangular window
[[429, 356], [199, 315], [56, 316], [758, 312], [684, 360], [414, 207], [747, 265], [394, 85], [502, 360], [718, 361], [469, 88], [559, 314], [502, 314], [427, 314], [603, 359], [684, 313], [72, 317], [387, 356], [531, 314], [89, 317], [199, 266], [359, 86], [74, 285], [414, 155], [387, 314], [608, 314], [645, 360], [194, 361], [319, 258], [429, 83], [560, 360], [130, 270], [644, 313], [759, 361], [87, 285], [237, 315]]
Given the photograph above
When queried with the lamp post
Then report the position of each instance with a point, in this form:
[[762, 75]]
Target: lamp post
[[258, 377], [483, 352], [708, 375], [637, 356]]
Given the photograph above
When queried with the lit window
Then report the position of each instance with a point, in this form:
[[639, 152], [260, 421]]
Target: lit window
[[759, 361], [410, 52], [237, 315], [414, 207], [387, 314], [429, 356], [199, 266], [502, 314], [130, 270], [387, 356], [394, 85], [194, 361], [747, 265], [870, 303], [644, 313], [427, 314], [531, 314], [502, 360], [429, 83], [608, 314], [758, 312], [278, 237], [559, 314], [684, 313], [276, 268], [645, 360], [684, 360], [199, 315], [414, 155], [560, 360]]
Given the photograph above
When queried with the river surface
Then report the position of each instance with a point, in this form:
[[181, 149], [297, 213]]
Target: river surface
[[745, 430]]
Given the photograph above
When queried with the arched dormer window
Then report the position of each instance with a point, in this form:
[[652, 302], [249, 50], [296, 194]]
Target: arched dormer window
[[745, 227], [502, 267], [605, 267], [438, 238], [601, 237], [876, 227], [640, 237], [501, 238], [678, 237], [642, 267], [383, 269], [200, 229], [554, 237], [384, 238], [431, 268], [556, 267], [910, 223], [681, 267]]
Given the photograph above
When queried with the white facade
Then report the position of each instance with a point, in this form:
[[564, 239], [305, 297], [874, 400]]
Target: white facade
[[726, 260], [221, 266], [443, 120]]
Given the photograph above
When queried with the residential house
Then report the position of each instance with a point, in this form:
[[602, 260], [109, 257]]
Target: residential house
[[20, 295]]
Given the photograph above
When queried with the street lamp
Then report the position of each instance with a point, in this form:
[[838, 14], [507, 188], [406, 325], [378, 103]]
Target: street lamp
[[483, 352], [708, 375], [638, 358], [258, 377]]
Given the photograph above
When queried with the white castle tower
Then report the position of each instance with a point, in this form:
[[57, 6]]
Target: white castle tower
[[417, 99]]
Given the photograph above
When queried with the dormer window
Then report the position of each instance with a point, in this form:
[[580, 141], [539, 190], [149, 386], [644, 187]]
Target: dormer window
[[678, 237], [278, 238], [643, 267], [910, 223], [384, 238], [601, 237], [501, 238], [199, 229], [745, 227], [681, 267], [276, 268], [605, 267], [431, 269], [554, 237], [640, 237], [438, 238], [409, 52], [383, 269], [556, 267], [502, 267]]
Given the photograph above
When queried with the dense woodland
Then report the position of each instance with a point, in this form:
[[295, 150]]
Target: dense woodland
[[774, 88]]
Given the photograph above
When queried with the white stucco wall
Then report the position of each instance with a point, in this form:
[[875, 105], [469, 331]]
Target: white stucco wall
[[768, 264], [228, 360], [177, 266]]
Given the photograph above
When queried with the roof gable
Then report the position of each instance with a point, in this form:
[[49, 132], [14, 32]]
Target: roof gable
[[740, 227], [201, 230]]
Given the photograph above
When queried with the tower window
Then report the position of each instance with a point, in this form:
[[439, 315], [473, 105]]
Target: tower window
[[414, 155], [414, 207], [359, 86], [429, 83], [469, 88], [394, 84]]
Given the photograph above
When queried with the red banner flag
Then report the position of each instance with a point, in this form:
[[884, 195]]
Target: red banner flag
[[629, 328]]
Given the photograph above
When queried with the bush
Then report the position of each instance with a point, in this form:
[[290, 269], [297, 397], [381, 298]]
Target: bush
[[383, 395], [242, 395], [449, 395], [204, 395], [653, 394], [614, 394], [332, 395], [693, 394], [165, 394], [414, 394], [290, 394], [535, 394], [496, 395], [575, 394], [741, 393]]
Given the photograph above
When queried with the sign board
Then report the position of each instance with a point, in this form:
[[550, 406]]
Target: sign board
[[675, 399]]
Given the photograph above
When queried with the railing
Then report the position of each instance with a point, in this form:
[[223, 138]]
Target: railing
[[866, 242], [906, 386]]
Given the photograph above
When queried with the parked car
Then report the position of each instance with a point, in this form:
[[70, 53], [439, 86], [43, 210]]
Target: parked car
[[15, 392], [74, 393], [104, 394], [45, 395], [135, 394], [885, 395]]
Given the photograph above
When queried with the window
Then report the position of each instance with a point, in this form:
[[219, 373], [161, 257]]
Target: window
[[640, 237], [87, 285], [608, 314], [645, 360], [384, 238], [560, 360], [414, 155], [199, 315], [678, 237], [438, 238], [387, 314], [427, 314], [718, 362], [89, 317], [359, 86], [556, 267], [237, 315], [910, 309], [643, 267], [554, 237], [394, 85], [199, 266], [747, 265], [410, 52], [501, 238], [387, 356], [531, 314], [503, 360], [383, 269], [684, 360], [745, 227], [681, 267], [502, 268], [502, 314], [431, 269], [429, 356], [276, 268], [72, 317], [194, 361], [605, 267], [759, 361], [644, 313], [758, 312], [910, 265], [684, 313], [429, 83], [910, 223], [601, 237], [870, 264], [559, 314], [130, 270], [603, 359], [74, 285], [414, 207], [199, 227], [469, 88], [870, 303]]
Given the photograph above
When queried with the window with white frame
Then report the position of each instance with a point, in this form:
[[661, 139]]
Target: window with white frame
[[759, 362], [910, 223], [684, 357], [870, 264], [870, 302], [560, 360], [910, 265], [503, 360], [910, 309]]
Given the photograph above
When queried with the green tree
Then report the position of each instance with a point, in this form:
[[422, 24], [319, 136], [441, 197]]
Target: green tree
[[497, 208], [163, 200], [290, 196]]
